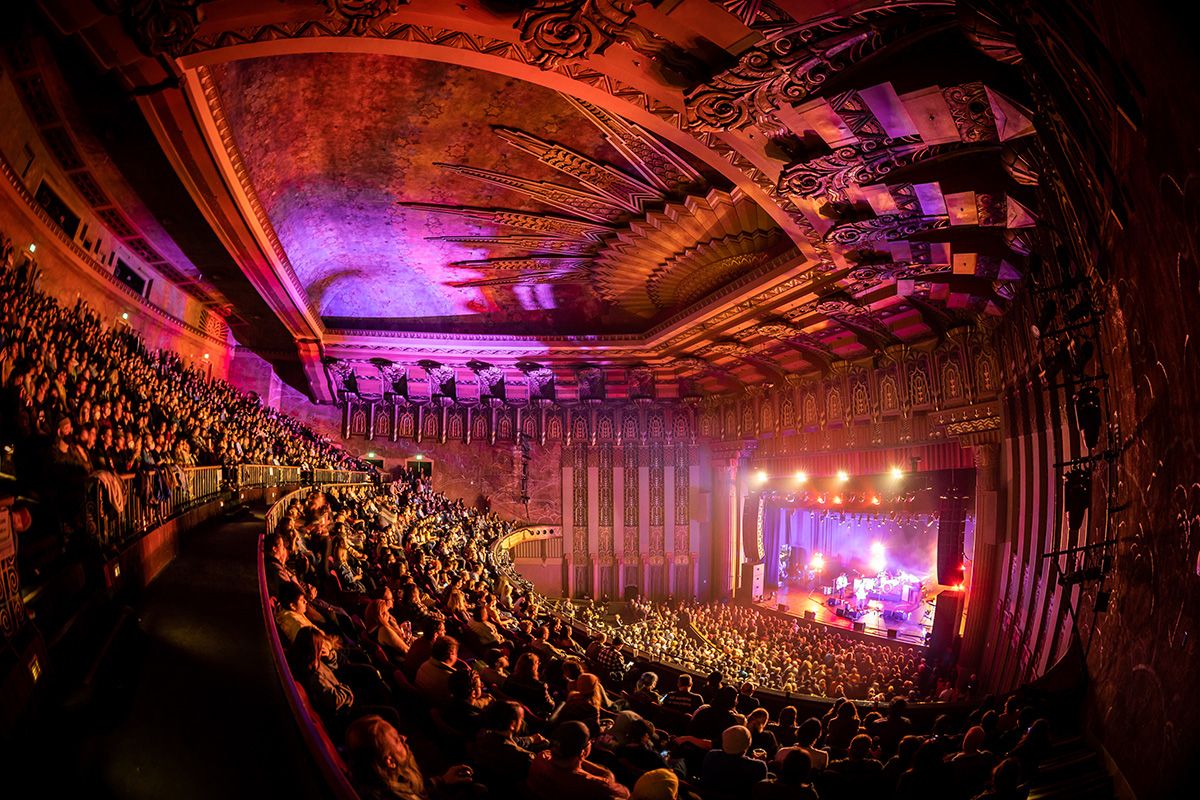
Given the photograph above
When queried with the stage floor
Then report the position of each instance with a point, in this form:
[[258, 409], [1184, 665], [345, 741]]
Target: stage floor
[[911, 632]]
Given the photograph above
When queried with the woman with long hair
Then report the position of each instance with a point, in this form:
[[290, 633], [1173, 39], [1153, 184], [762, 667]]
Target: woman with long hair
[[387, 633], [583, 704], [307, 659], [524, 686]]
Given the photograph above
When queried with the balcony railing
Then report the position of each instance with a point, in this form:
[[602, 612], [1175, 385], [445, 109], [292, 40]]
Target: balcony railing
[[120, 507], [325, 476]]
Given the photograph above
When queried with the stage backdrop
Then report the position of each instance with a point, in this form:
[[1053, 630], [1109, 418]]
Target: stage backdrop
[[846, 541]]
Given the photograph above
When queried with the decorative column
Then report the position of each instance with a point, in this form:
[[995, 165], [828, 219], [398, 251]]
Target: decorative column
[[631, 507], [568, 520], [728, 464]]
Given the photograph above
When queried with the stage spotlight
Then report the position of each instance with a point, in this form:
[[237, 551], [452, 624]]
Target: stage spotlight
[[843, 476], [897, 473], [877, 549], [878, 563], [801, 477], [874, 499], [817, 563], [821, 499], [760, 477], [837, 499]]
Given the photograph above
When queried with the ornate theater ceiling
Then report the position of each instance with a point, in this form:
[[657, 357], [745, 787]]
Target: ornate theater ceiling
[[445, 198], [712, 194]]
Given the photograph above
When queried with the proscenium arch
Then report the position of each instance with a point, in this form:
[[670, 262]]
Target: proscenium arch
[[550, 79]]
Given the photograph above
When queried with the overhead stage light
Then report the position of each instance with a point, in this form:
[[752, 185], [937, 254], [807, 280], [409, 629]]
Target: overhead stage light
[[760, 477], [897, 473], [801, 477], [877, 548], [843, 476]]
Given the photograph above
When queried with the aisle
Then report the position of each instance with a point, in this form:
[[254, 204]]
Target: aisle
[[187, 704]]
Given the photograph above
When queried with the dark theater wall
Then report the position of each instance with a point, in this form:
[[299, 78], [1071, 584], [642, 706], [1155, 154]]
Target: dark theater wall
[[1118, 129]]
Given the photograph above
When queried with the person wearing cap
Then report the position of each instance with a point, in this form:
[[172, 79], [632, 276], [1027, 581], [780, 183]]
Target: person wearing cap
[[729, 769], [564, 771], [657, 784]]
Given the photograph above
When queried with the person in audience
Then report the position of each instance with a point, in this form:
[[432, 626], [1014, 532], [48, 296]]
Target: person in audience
[[859, 773], [657, 784], [892, 728], [970, 768], [462, 717], [785, 727], [524, 686], [384, 767], [501, 754], [421, 648], [794, 781], [308, 657], [841, 729], [762, 740], [746, 701], [583, 704], [1005, 783], [729, 769], [394, 638], [433, 678], [644, 698], [711, 721], [565, 772], [806, 742], [927, 776], [682, 699], [493, 668], [290, 614], [901, 762]]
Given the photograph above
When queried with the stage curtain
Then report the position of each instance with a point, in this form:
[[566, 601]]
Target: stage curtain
[[774, 537]]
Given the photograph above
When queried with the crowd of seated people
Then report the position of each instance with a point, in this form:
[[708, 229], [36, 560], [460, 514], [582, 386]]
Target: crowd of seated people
[[439, 675], [783, 653], [82, 399]]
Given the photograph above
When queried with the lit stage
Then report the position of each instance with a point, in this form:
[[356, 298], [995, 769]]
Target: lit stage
[[912, 629], [862, 564]]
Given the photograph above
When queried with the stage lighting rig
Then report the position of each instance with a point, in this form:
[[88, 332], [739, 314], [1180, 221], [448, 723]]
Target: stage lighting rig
[[843, 476], [1088, 414], [1077, 494]]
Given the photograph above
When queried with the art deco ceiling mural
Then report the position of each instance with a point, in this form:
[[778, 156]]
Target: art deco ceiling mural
[[721, 194], [430, 203]]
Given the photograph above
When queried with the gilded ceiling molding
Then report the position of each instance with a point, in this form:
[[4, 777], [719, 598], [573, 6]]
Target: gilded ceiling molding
[[789, 69], [553, 31], [159, 26], [359, 15]]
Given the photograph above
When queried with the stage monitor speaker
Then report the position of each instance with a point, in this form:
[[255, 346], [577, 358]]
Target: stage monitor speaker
[[810, 615], [782, 607], [893, 633], [631, 593], [860, 626]]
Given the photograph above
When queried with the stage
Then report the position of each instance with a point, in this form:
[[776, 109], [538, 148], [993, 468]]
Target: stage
[[910, 631]]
